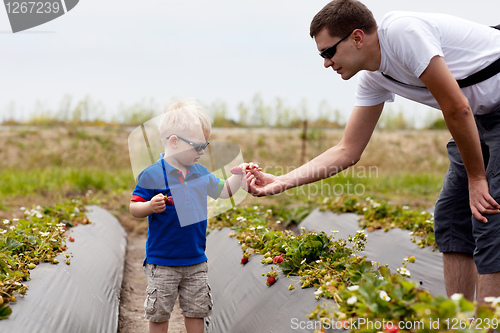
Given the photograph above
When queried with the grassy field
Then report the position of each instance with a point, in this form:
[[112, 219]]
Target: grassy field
[[41, 166]]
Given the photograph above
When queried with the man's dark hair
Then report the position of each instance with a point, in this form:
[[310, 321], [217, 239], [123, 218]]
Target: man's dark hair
[[341, 17]]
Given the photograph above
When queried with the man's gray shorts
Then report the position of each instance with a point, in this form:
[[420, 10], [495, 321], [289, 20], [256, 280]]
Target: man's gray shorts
[[455, 228]]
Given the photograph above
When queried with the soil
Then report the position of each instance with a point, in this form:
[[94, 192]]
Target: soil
[[133, 293]]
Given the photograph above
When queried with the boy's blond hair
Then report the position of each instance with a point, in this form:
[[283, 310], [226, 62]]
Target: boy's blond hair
[[184, 116]]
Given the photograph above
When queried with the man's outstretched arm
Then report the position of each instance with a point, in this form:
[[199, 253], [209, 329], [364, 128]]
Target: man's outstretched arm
[[346, 153]]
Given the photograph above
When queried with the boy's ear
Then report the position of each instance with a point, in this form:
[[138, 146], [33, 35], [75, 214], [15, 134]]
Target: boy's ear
[[172, 141]]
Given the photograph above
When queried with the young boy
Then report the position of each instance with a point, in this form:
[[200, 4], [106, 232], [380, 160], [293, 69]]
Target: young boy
[[172, 193]]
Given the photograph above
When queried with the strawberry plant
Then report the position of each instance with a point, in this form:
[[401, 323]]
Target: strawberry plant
[[369, 298], [382, 299], [382, 215], [273, 217], [24, 243], [313, 256]]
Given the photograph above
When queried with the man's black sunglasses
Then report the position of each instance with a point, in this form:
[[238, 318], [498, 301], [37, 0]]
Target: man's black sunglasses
[[328, 53], [197, 146]]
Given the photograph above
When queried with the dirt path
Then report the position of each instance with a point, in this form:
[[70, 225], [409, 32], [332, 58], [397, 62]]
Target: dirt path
[[131, 319]]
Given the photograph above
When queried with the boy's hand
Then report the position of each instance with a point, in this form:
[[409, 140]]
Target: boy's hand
[[243, 170], [157, 203]]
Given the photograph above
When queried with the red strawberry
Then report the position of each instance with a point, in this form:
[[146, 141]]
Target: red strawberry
[[344, 324], [169, 200], [71, 239], [251, 166], [244, 260], [270, 280], [391, 328], [254, 166], [236, 170], [63, 248], [278, 260]]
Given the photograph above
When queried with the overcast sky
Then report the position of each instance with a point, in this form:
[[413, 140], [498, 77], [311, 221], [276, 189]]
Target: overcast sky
[[125, 51]]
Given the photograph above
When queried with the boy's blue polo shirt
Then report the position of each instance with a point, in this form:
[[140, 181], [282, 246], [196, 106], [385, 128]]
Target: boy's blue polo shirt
[[177, 236]]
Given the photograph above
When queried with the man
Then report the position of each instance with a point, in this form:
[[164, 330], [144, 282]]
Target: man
[[420, 57]]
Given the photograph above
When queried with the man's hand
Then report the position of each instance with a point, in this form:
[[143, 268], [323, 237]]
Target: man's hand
[[157, 203], [238, 179], [481, 201], [261, 184]]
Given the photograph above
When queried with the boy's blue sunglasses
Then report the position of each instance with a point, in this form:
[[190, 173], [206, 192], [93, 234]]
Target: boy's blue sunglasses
[[197, 146]]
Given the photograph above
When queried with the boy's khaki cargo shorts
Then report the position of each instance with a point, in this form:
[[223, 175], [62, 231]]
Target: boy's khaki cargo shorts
[[166, 283]]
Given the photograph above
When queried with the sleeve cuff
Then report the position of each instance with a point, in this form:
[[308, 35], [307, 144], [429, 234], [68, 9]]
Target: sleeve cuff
[[135, 197], [220, 187]]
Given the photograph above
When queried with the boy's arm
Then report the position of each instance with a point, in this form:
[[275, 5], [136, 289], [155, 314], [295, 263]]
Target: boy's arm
[[142, 209], [234, 183], [461, 124], [237, 179]]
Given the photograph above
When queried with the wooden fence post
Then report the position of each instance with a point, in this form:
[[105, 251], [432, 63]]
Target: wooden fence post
[[304, 140]]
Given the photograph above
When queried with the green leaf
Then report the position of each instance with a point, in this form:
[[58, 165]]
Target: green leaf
[[33, 240], [316, 243], [366, 266], [386, 273], [5, 311], [13, 244], [355, 277], [367, 291], [401, 311], [465, 305], [397, 292], [374, 307], [447, 309]]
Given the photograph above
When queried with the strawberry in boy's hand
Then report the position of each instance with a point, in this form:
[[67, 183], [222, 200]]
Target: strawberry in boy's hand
[[169, 200], [245, 167]]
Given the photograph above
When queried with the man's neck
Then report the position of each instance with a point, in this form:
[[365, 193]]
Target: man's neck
[[373, 52]]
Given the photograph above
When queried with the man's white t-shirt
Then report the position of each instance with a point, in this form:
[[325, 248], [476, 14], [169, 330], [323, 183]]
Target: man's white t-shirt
[[408, 42]]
